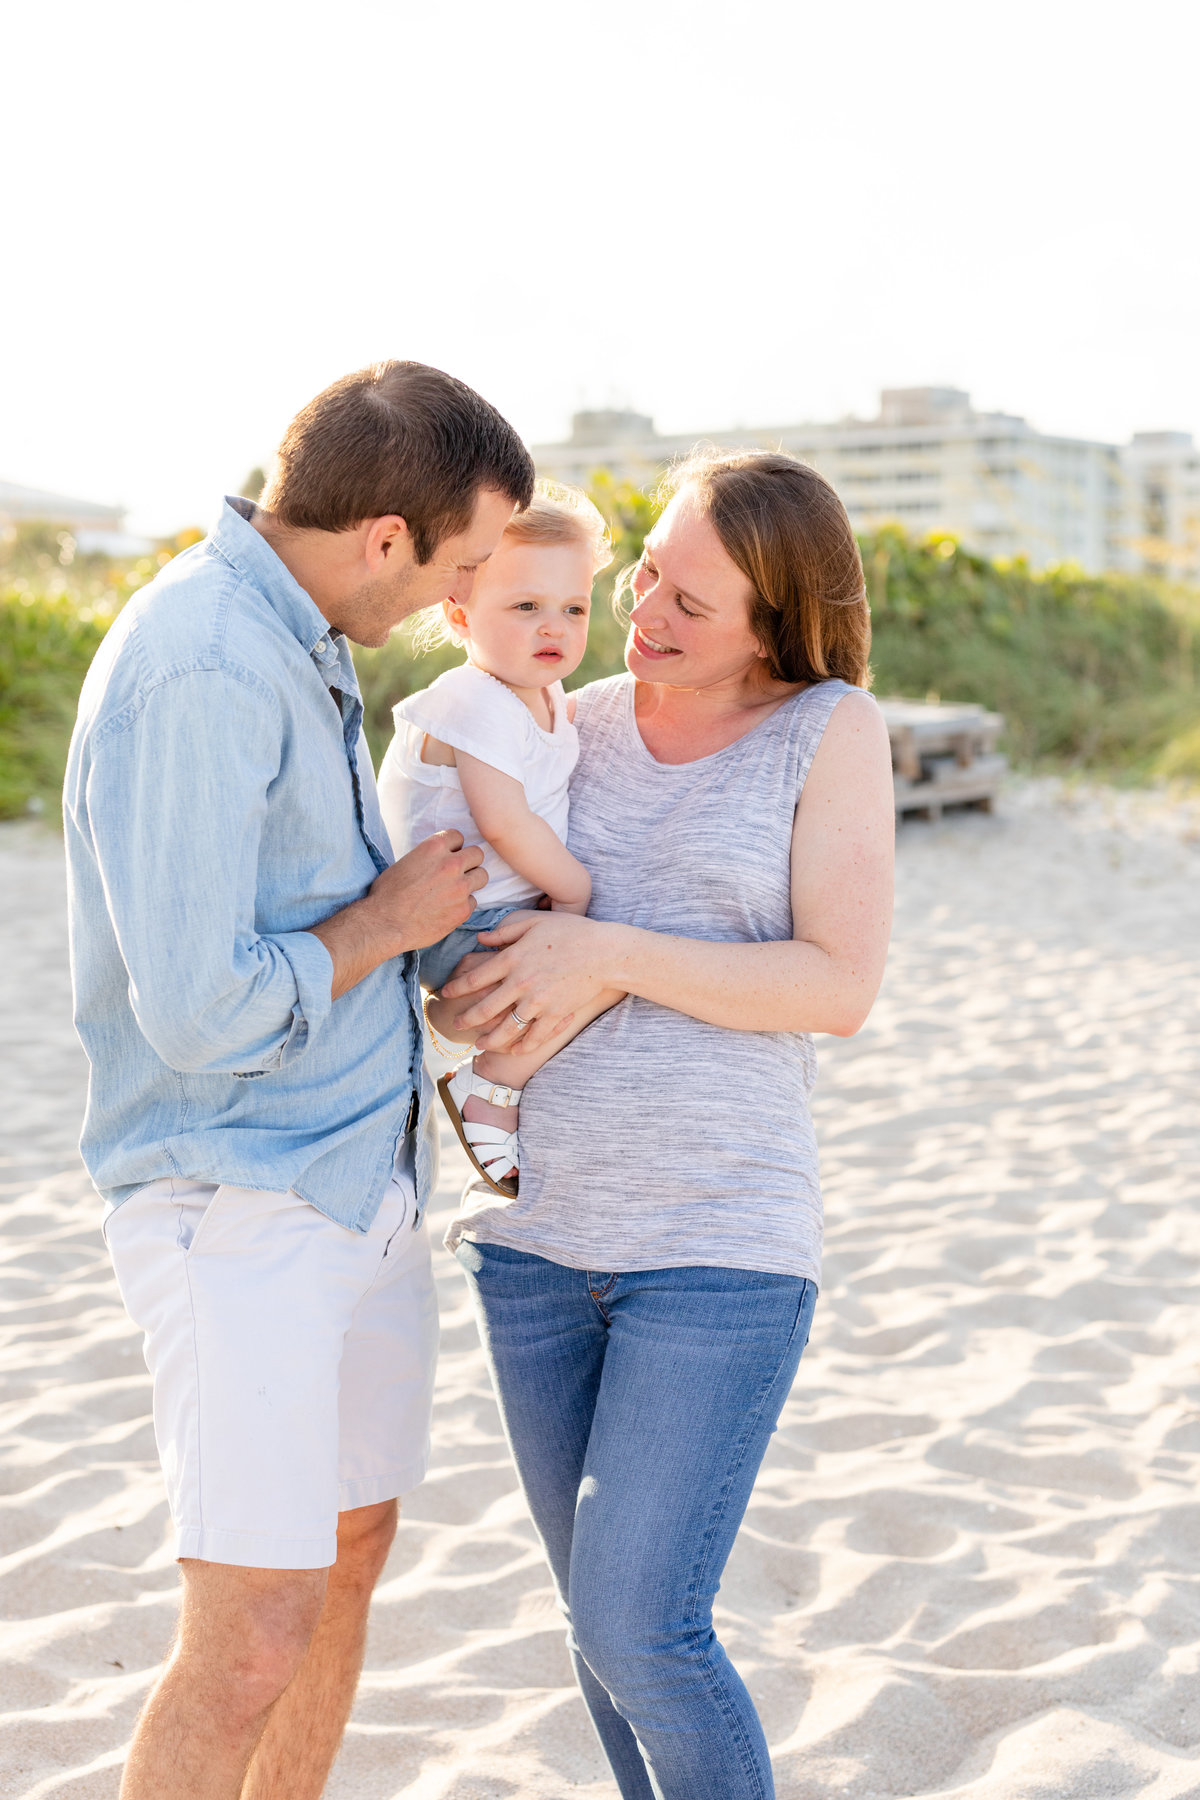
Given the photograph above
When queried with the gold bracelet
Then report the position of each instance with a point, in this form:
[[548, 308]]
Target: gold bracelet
[[452, 1052]]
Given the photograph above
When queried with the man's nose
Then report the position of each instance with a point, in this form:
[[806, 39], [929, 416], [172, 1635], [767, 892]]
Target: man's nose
[[464, 583]]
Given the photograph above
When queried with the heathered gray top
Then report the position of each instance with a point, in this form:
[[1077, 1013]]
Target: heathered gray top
[[654, 1140]]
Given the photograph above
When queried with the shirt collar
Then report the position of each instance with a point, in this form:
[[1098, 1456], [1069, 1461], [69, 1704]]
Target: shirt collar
[[235, 538]]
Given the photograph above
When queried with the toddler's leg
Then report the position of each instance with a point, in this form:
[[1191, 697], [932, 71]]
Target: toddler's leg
[[440, 1014], [505, 1068], [488, 1131], [508, 1069]]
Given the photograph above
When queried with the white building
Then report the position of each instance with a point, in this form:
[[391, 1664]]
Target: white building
[[928, 462], [1162, 493], [94, 527]]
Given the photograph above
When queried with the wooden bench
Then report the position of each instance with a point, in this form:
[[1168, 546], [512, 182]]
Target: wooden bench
[[943, 755]]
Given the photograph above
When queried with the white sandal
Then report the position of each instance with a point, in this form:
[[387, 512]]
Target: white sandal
[[489, 1147]]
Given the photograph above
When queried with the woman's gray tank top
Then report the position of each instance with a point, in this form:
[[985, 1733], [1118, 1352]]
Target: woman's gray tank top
[[653, 1140]]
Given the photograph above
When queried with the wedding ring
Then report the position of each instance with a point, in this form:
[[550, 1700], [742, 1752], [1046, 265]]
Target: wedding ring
[[516, 1018]]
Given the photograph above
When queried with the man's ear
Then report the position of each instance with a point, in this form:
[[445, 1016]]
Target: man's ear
[[387, 544]]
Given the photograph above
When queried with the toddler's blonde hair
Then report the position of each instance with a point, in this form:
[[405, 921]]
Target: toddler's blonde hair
[[557, 514]]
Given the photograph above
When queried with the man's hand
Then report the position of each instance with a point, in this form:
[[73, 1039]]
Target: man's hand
[[414, 903], [429, 891]]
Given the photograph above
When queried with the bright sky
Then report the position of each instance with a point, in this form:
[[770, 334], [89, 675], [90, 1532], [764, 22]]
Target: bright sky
[[753, 213]]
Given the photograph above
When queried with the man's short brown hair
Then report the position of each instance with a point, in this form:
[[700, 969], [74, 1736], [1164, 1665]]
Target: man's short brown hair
[[400, 438]]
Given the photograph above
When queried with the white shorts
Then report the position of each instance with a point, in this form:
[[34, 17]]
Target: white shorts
[[292, 1360]]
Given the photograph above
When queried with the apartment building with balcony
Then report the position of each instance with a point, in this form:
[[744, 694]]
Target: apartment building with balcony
[[1162, 502], [928, 461]]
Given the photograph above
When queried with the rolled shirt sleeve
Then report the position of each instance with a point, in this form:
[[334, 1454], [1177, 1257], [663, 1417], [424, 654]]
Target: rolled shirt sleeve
[[176, 799]]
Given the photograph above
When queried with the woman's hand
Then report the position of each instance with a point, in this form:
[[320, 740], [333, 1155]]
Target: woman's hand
[[546, 967]]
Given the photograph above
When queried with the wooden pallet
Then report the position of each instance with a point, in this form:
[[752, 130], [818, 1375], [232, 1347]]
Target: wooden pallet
[[943, 755]]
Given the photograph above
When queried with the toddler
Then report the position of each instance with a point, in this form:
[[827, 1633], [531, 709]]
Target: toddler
[[488, 749]]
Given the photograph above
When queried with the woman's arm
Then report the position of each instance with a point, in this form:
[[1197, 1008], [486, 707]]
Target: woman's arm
[[526, 842], [824, 979]]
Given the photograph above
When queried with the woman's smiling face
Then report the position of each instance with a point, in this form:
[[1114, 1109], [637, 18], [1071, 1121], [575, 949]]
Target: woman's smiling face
[[690, 626]]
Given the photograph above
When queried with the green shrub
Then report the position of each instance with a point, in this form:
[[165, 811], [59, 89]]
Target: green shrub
[[46, 645], [1180, 760], [1090, 671], [55, 606]]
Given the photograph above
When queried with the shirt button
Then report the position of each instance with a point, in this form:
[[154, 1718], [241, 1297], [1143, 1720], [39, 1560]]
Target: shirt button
[[321, 646]]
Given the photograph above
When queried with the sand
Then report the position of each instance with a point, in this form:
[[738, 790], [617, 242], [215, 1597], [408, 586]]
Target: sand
[[970, 1567]]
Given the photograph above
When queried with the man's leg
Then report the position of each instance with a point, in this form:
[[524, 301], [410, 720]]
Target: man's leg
[[242, 1636], [386, 1391], [249, 1302], [296, 1751]]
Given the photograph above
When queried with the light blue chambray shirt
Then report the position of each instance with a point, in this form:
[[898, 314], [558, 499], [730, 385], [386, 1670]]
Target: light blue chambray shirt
[[219, 800]]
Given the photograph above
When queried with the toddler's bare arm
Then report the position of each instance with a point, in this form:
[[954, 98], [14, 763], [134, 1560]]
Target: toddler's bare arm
[[526, 842]]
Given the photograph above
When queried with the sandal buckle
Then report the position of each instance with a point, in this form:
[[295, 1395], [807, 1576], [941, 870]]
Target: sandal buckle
[[499, 1096]]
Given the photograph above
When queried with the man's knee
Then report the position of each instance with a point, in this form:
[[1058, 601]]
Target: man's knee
[[243, 1633], [364, 1538]]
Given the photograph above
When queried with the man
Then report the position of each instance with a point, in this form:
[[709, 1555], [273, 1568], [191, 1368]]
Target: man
[[247, 997]]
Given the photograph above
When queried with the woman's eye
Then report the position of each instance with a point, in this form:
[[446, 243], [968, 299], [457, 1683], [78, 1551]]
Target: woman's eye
[[687, 613]]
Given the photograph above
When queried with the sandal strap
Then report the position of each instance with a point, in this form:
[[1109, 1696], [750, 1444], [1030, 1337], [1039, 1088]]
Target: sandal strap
[[465, 1081], [492, 1145]]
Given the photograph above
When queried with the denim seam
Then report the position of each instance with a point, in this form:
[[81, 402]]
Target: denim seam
[[121, 721], [598, 1298], [718, 1512], [184, 1109]]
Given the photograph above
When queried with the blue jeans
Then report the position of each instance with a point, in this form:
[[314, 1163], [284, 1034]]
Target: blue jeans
[[638, 1408], [439, 961]]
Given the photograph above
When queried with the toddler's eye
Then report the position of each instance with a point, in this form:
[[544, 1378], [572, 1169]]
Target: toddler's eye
[[578, 609], [526, 606]]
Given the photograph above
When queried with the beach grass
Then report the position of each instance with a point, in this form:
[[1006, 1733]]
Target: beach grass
[[46, 645], [1095, 674]]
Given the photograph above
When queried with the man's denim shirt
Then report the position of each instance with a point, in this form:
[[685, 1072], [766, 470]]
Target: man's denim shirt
[[220, 800]]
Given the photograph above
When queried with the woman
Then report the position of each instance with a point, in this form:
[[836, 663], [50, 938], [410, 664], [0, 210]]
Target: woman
[[646, 1298]]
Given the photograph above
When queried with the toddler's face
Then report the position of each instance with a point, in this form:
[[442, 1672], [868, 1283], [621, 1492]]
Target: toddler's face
[[527, 619]]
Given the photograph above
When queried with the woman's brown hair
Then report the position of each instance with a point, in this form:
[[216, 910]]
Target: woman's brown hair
[[787, 531]]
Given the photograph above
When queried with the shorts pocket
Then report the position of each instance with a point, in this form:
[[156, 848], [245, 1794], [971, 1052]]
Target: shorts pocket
[[195, 1221], [396, 1225]]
